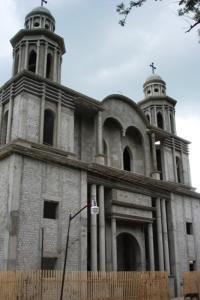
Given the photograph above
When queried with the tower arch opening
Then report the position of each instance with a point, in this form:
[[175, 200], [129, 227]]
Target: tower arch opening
[[32, 61], [127, 159], [48, 132], [160, 122], [4, 127], [49, 68]]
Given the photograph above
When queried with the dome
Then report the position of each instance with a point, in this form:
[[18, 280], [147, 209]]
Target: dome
[[40, 10], [40, 18], [154, 78], [154, 86]]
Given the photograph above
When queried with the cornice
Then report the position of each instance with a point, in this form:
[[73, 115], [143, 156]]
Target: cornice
[[98, 172]]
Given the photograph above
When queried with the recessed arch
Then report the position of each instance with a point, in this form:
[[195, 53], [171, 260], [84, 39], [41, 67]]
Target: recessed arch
[[112, 133], [135, 142], [136, 135], [128, 253], [32, 61], [48, 132], [160, 122]]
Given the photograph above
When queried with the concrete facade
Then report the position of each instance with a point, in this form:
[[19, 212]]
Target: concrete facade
[[61, 150]]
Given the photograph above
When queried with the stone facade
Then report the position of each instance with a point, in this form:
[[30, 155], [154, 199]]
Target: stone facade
[[62, 150]]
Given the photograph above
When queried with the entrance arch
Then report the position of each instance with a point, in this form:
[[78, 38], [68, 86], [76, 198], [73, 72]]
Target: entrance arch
[[128, 253]]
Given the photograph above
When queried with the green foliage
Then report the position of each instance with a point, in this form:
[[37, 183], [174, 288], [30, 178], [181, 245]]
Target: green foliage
[[190, 8]]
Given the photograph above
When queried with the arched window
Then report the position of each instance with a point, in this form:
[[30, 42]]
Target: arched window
[[16, 64], [4, 128], [48, 127], [49, 66], [127, 159], [178, 169], [160, 120], [32, 61]]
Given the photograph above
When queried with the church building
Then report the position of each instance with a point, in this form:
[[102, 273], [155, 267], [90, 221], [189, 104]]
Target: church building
[[61, 151]]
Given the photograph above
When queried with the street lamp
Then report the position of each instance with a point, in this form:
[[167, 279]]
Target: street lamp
[[94, 209]]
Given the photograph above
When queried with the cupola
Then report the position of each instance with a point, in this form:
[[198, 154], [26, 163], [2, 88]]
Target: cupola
[[154, 86], [37, 48]]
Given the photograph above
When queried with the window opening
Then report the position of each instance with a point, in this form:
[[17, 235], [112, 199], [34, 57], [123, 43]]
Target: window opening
[[4, 128], [178, 169], [189, 229], [127, 159], [50, 210], [32, 61], [156, 90], [192, 265], [159, 162], [49, 263], [49, 66], [48, 127], [160, 120]]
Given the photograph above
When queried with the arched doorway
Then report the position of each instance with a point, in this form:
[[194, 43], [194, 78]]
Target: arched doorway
[[128, 253]]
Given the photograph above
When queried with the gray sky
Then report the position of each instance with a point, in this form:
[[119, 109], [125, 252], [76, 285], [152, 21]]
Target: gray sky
[[104, 58]]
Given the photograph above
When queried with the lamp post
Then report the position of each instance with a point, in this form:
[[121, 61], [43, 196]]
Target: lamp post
[[94, 211]]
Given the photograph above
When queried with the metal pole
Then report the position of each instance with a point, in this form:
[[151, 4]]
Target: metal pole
[[65, 259]]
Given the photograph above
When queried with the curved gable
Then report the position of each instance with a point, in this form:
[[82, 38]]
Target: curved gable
[[129, 102]]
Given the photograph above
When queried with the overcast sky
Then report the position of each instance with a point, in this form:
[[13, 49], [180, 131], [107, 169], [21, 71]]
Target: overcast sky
[[104, 58]]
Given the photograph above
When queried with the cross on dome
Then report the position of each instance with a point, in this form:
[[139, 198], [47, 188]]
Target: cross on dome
[[153, 68], [43, 1]]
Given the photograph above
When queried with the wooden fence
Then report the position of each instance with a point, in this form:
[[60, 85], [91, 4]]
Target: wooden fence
[[191, 283], [46, 285]]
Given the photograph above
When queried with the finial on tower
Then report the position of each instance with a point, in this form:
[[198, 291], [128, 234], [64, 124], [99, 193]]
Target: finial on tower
[[153, 68], [43, 1]]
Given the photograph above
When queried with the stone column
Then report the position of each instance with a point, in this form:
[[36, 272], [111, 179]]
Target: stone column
[[169, 121], [155, 116], [155, 173], [55, 66], [58, 122], [99, 139], [26, 56], [45, 59], [174, 160], [14, 62], [159, 235], [42, 108], [38, 58], [114, 244], [151, 247], [20, 59], [93, 232], [165, 235], [164, 119], [9, 126], [59, 67], [102, 229]]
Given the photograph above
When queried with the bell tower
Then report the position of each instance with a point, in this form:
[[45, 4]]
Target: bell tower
[[159, 108], [37, 48]]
